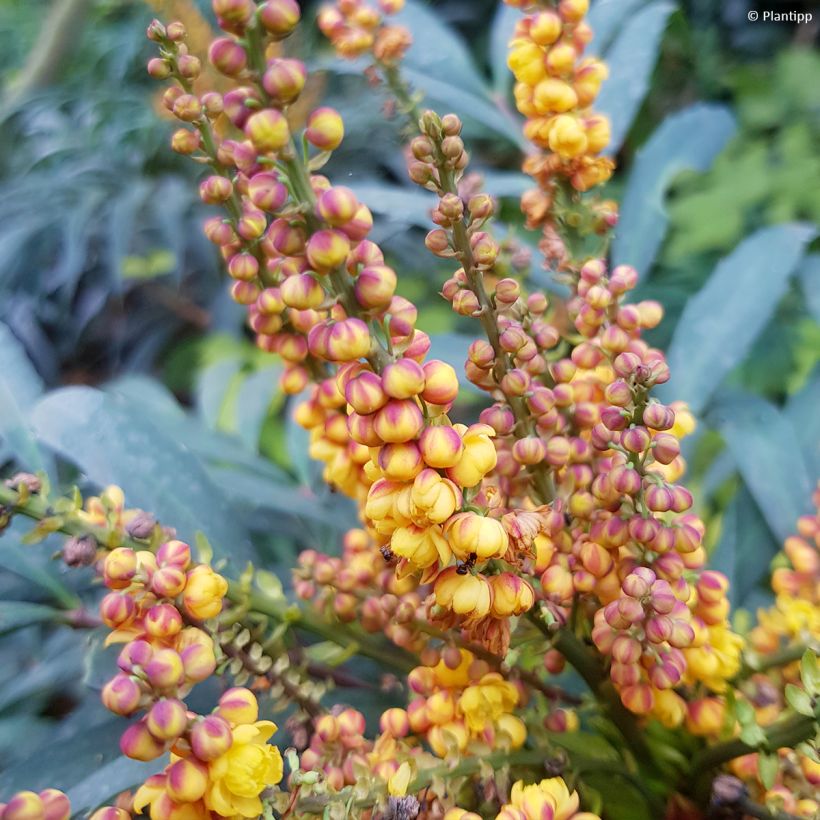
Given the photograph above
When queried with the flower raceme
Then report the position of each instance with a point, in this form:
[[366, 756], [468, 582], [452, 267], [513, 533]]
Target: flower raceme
[[220, 763]]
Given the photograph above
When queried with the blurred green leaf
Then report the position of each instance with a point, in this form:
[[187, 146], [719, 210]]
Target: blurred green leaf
[[743, 534], [606, 18], [87, 766], [24, 562], [437, 50], [802, 411], [810, 283], [769, 457], [20, 387], [254, 397], [213, 387], [631, 61], [503, 27], [688, 139], [114, 442], [18, 614], [711, 339]]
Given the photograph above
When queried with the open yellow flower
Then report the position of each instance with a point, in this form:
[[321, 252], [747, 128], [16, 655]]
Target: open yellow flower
[[238, 777]]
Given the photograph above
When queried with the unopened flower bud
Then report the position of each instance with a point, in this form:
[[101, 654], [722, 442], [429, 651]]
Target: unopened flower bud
[[121, 695], [139, 744], [325, 129], [267, 130], [167, 719], [211, 738], [186, 780], [279, 17], [284, 79]]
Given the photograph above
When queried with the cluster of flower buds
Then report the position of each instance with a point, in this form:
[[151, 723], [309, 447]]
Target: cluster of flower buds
[[555, 88], [49, 804], [644, 631], [793, 622], [356, 28], [156, 605], [338, 748], [460, 707], [359, 586]]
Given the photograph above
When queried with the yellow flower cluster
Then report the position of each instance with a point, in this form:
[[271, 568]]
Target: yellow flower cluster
[[463, 708], [555, 88]]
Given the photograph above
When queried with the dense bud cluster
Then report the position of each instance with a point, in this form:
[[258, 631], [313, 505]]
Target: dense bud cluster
[[49, 804], [555, 89], [355, 28], [155, 605]]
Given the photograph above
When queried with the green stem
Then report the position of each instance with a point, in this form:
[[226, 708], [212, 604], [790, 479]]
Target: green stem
[[754, 663], [786, 733], [465, 766]]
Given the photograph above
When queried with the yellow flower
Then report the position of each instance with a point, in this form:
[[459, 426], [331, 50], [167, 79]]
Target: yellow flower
[[548, 800], [203, 593], [400, 780], [238, 777], [486, 701]]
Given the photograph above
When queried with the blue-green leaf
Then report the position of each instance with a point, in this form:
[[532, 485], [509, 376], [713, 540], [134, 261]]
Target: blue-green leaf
[[768, 455], [503, 27], [17, 614], [803, 411], [720, 323], [631, 61], [745, 549], [689, 139], [212, 388], [810, 282], [20, 387], [437, 51], [605, 18], [253, 400], [114, 442]]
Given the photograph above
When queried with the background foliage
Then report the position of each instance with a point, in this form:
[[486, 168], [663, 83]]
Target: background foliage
[[122, 359]]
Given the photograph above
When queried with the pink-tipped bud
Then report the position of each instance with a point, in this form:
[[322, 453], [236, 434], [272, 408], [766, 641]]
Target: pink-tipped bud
[[327, 250], [117, 609], [267, 192], [395, 722], [399, 421], [119, 567], [337, 206], [665, 448], [198, 662], [134, 656], [638, 698], [227, 56], [186, 781], [168, 582], [375, 286], [441, 446], [327, 728], [279, 17], [499, 417], [167, 719], [215, 189], [174, 553], [56, 805], [267, 130], [164, 670], [211, 738], [635, 439], [139, 744], [403, 379], [622, 279], [325, 129], [121, 695], [243, 266], [239, 706], [440, 383], [284, 79], [163, 621]]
